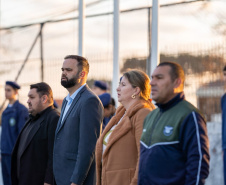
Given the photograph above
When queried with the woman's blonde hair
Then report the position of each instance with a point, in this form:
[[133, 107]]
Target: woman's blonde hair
[[138, 78]]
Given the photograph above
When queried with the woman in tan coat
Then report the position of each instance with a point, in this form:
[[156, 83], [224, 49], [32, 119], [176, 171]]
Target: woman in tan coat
[[117, 149]]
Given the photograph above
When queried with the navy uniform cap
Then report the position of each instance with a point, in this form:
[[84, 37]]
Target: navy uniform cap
[[13, 84], [100, 84], [105, 99]]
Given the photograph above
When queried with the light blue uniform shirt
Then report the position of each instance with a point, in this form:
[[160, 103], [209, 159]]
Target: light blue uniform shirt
[[70, 100]]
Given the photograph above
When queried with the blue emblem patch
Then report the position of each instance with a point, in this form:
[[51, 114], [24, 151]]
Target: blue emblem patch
[[168, 130], [12, 122]]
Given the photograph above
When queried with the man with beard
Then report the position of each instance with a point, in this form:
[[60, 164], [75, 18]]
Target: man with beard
[[33, 153], [78, 128]]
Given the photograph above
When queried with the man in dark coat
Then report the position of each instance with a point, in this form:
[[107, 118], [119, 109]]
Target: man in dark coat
[[33, 153], [13, 120], [78, 128]]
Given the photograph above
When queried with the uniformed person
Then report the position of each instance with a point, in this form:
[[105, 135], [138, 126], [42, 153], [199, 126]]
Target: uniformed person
[[13, 119], [109, 108], [99, 87]]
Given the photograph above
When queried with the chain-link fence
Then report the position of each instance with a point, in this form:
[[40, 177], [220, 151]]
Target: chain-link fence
[[202, 65]]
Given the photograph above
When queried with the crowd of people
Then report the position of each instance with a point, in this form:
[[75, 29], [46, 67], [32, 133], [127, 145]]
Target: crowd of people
[[91, 142]]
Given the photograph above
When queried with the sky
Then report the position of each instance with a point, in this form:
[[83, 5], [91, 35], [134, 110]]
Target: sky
[[180, 27]]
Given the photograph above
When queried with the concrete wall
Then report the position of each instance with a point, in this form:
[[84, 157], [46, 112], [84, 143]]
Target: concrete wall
[[216, 160]]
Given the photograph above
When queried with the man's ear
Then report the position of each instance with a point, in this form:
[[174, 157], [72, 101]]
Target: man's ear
[[177, 83], [82, 74], [44, 98], [16, 92]]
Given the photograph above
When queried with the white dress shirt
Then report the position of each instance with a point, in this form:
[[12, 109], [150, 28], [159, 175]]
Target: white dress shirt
[[70, 100]]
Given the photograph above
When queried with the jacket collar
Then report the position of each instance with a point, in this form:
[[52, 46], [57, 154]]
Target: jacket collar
[[61, 122], [38, 122], [33, 118], [138, 105], [164, 107], [125, 124], [72, 97], [14, 105]]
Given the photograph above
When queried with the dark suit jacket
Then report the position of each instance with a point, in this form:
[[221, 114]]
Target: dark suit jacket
[[36, 159], [75, 140]]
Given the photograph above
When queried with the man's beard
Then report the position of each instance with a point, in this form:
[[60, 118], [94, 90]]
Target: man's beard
[[70, 82]]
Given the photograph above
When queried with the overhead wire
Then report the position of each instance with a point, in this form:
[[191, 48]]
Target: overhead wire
[[88, 16], [94, 15], [56, 12], [216, 18], [26, 28]]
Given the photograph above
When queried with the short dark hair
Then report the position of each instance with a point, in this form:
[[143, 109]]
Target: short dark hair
[[176, 70], [83, 63], [43, 89], [113, 101], [224, 68]]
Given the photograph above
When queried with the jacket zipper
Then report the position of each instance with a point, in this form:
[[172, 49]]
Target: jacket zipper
[[153, 127]]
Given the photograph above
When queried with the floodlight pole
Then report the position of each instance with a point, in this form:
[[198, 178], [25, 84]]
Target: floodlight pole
[[115, 78], [41, 52], [154, 36], [148, 63], [81, 23]]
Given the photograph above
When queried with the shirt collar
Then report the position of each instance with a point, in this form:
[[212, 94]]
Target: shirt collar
[[163, 107], [72, 97], [13, 105]]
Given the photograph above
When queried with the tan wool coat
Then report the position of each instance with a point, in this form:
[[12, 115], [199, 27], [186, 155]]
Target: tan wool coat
[[120, 162]]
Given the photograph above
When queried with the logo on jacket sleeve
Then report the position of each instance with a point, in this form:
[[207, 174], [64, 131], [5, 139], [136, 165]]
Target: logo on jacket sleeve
[[168, 130]]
